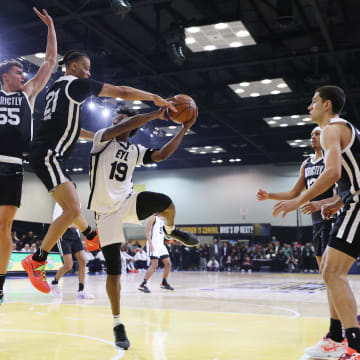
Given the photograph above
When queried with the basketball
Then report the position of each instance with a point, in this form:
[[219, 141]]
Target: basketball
[[186, 109]]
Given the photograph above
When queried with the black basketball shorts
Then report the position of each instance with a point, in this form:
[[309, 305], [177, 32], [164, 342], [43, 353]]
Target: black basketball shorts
[[11, 189], [321, 234], [48, 166], [345, 234]]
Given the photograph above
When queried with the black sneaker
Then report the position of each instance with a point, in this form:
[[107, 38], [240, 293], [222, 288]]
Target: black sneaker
[[184, 237], [165, 285], [144, 289], [121, 339]]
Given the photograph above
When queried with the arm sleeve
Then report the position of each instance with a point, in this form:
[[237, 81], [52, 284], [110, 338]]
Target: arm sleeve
[[98, 145], [80, 89], [145, 155]]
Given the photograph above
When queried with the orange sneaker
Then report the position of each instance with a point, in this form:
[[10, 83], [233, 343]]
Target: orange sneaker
[[93, 244], [350, 354], [36, 272]]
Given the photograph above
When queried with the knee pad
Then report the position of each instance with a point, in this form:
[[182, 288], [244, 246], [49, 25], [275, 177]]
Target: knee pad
[[112, 258], [149, 203]]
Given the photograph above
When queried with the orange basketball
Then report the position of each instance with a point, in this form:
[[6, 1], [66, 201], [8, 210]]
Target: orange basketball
[[186, 109]]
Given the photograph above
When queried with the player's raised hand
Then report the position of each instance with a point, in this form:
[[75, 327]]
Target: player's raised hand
[[310, 207], [159, 101], [262, 195], [161, 113], [45, 17]]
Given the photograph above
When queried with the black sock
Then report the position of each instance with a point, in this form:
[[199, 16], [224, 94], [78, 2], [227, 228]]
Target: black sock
[[164, 281], [353, 338], [81, 286], [55, 282], [335, 332], [89, 233], [40, 255], [144, 282], [2, 280]]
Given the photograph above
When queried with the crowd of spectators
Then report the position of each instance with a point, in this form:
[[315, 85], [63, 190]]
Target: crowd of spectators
[[217, 256]]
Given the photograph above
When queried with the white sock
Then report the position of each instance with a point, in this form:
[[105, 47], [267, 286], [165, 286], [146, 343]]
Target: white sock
[[169, 229], [117, 320]]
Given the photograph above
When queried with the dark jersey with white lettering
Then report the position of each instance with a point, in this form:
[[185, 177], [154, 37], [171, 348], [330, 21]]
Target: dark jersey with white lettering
[[313, 170], [60, 125], [16, 127]]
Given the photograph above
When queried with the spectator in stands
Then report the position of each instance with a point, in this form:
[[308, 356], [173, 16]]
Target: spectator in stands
[[127, 261], [26, 248], [215, 250], [175, 257], [225, 252], [30, 238], [185, 256], [279, 261], [141, 259], [228, 265], [293, 264], [14, 237], [195, 258], [308, 256], [94, 263], [277, 247], [33, 247], [213, 265], [247, 264]]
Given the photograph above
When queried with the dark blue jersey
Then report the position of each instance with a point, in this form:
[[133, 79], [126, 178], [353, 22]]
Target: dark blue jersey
[[312, 171], [60, 125], [16, 126]]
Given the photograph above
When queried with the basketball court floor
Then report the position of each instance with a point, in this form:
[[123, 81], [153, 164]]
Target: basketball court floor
[[210, 316]]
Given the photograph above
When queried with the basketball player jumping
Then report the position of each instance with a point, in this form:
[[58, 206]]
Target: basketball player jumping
[[17, 100], [58, 133], [113, 161], [333, 344], [340, 141], [156, 249]]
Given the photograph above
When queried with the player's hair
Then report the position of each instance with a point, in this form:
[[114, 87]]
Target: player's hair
[[335, 94], [6, 65], [124, 110], [315, 129], [71, 56]]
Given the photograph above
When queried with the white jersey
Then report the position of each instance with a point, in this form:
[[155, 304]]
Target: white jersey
[[112, 165], [157, 232]]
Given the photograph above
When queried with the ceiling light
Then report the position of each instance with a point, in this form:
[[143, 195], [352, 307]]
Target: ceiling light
[[40, 55], [63, 68], [221, 26], [91, 105], [294, 116], [209, 47], [275, 92], [193, 29], [303, 145], [105, 113], [24, 73], [137, 102], [298, 140], [284, 125], [237, 160], [192, 151], [120, 7], [266, 81], [194, 148], [235, 44], [136, 107], [277, 118], [255, 94], [300, 123], [231, 160], [190, 40], [244, 84], [216, 151], [239, 91], [293, 144], [172, 127], [271, 122], [83, 141], [208, 147], [306, 119], [282, 85], [219, 161], [242, 33], [168, 134], [118, 99], [202, 152]]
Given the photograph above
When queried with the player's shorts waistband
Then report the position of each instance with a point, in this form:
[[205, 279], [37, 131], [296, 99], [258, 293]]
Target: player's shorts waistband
[[10, 159]]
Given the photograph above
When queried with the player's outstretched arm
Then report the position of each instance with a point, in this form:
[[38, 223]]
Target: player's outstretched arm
[[131, 123], [37, 83], [86, 134], [130, 93], [314, 206], [287, 195], [169, 148]]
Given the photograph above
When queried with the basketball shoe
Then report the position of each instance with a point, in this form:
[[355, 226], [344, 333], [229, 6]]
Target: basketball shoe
[[184, 237], [55, 290], [350, 354], [121, 339], [144, 289], [36, 272], [165, 285], [327, 348], [85, 295]]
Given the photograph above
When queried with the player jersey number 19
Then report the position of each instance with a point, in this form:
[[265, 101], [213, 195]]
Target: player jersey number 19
[[118, 171], [51, 101], [9, 116]]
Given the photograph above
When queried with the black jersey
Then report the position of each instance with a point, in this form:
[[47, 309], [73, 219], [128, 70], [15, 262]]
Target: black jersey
[[16, 126], [60, 125], [349, 182], [312, 171]]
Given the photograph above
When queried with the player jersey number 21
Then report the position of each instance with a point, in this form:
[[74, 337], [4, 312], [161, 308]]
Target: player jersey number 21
[[51, 101]]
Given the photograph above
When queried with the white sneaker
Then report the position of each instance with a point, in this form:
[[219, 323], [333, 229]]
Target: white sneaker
[[84, 295], [55, 290], [327, 348]]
